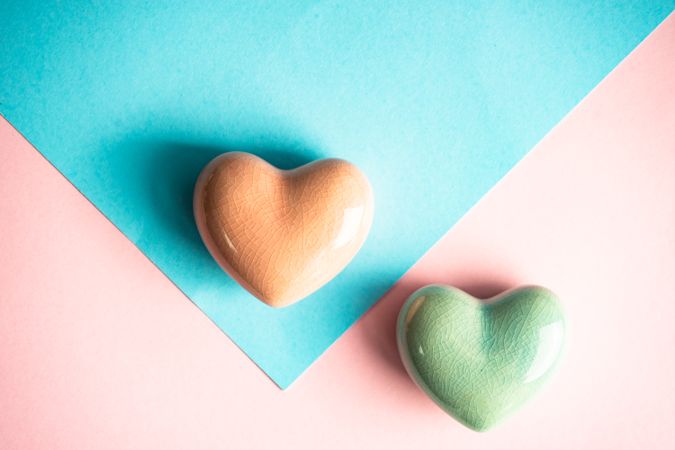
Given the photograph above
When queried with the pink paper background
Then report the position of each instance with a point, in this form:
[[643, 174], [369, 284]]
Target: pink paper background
[[99, 350]]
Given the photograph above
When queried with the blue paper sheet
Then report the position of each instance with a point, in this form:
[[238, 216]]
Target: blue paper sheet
[[435, 101]]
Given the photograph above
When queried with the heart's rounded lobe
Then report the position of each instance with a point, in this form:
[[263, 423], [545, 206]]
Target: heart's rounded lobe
[[282, 234]]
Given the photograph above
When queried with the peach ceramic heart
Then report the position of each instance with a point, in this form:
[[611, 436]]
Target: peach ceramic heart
[[282, 234]]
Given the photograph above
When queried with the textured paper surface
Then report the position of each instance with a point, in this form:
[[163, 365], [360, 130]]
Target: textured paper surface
[[434, 101], [118, 359]]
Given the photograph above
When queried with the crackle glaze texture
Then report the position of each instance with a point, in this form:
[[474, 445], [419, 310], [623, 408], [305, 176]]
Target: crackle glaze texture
[[282, 234], [480, 360]]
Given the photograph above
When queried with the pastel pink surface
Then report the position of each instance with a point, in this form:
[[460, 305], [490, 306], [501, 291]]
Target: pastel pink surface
[[99, 350]]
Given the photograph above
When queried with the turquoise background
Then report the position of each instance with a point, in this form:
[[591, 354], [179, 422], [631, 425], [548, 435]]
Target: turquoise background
[[435, 101]]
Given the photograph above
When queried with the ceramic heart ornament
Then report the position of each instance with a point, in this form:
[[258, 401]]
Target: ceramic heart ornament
[[282, 234], [480, 360]]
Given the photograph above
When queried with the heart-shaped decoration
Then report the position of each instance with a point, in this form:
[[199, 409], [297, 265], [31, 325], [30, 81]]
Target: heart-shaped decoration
[[480, 360], [282, 234]]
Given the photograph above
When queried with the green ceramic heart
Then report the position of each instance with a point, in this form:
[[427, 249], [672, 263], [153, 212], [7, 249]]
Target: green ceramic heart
[[480, 360]]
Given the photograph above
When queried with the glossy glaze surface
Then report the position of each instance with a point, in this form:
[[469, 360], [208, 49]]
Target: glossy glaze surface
[[282, 234], [480, 360]]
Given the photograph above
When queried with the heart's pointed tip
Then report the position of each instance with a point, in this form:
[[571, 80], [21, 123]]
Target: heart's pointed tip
[[478, 422], [275, 304], [275, 299], [480, 427], [276, 296]]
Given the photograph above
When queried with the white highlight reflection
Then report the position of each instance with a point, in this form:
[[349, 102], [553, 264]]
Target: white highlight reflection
[[350, 226], [550, 341]]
